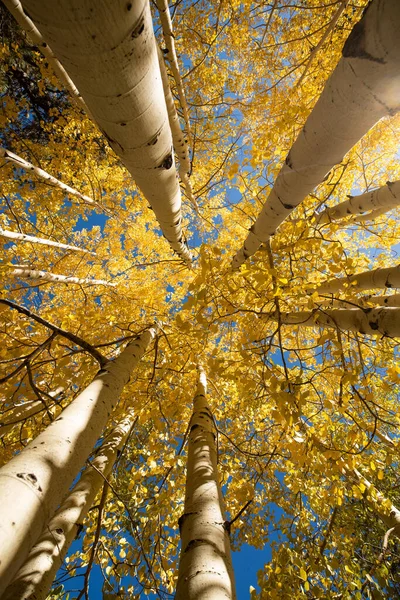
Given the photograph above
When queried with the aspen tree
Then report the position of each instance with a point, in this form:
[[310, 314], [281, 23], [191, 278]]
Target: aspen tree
[[205, 568], [363, 88], [23, 237], [20, 413], [370, 216], [34, 482], [33, 580], [380, 505], [393, 300], [15, 8], [178, 136], [382, 199], [371, 321], [362, 301], [23, 272], [119, 78], [21, 163], [367, 280], [169, 38], [14, 415]]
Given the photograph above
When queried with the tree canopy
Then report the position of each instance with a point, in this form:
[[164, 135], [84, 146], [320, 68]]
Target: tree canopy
[[298, 338]]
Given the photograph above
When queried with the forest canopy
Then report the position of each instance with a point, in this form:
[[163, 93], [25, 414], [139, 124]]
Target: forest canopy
[[200, 319]]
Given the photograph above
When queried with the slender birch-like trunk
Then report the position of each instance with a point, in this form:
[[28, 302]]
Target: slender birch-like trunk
[[371, 321], [33, 580], [23, 237], [27, 273], [20, 413], [205, 567], [27, 166], [367, 280], [15, 8], [380, 505], [178, 136], [364, 87], [362, 301], [393, 300], [370, 216], [109, 51], [383, 199], [35, 481], [169, 38]]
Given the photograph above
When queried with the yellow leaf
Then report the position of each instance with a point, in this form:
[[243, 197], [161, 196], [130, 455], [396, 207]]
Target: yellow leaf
[[303, 574]]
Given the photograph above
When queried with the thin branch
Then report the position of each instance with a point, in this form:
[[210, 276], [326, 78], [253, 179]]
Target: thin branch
[[102, 360]]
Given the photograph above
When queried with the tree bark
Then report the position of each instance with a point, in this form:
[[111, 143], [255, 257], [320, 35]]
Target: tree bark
[[371, 321], [27, 166], [393, 300], [381, 506], [205, 568], [27, 273], [363, 88], [34, 482], [384, 199], [119, 78], [367, 280], [33, 580], [15, 8], [169, 38], [178, 136], [20, 413], [23, 237]]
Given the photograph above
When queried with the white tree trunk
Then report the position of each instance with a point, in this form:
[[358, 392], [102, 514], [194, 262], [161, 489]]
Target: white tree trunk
[[15, 8], [36, 575], [364, 87], [169, 39], [20, 413], [23, 237], [27, 273], [362, 302], [205, 568], [370, 216], [377, 501], [384, 199], [27, 166], [367, 280], [35, 481], [393, 300], [373, 321], [109, 51], [178, 136]]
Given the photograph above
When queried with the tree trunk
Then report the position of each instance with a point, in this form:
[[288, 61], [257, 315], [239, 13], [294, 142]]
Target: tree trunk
[[363, 88], [371, 321], [178, 136], [367, 280], [393, 300], [14, 415], [27, 273], [34, 482], [381, 506], [21, 163], [36, 575], [20, 413], [205, 568], [169, 39], [15, 8], [385, 197], [23, 237], [119, 78]]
